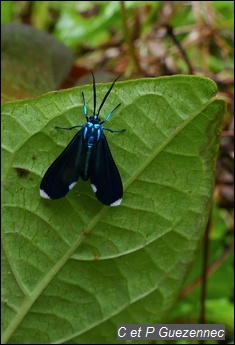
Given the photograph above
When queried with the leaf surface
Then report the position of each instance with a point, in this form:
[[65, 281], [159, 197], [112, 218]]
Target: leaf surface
[[73, 268]]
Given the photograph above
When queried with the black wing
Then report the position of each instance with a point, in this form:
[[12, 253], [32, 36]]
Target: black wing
[[64, 172], [105, 178]]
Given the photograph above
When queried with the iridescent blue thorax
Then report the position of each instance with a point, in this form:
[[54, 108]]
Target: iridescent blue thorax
[[92, 131]]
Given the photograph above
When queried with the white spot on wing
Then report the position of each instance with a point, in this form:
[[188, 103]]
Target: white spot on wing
[[72, 185], [93, 188], [44, 194], [116, 203]]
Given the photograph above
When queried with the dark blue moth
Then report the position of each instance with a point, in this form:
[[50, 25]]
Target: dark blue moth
[[87, 156]]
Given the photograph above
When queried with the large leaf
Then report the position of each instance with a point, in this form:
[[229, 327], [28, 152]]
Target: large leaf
[[72, 268]]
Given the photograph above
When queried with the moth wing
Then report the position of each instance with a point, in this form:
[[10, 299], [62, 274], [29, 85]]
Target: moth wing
[[64, 172], [105, 178]]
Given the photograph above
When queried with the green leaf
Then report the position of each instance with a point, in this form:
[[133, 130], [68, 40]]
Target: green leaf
[[92, 23], [33, 62], [72, 268], [219, 287], [6, 11]]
